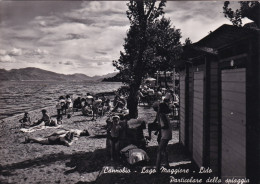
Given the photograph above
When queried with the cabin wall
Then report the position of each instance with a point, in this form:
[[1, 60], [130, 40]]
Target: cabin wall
[[233, 92], [213, 132], [222, 106], [190, 109], [198, 114], [182, 107]]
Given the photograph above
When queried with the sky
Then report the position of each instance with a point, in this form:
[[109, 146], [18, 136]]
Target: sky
[[85, 36]]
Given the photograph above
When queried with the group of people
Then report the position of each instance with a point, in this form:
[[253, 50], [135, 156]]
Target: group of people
[[93, 106], [45, 120], [163, 107], [119, 131], [64, 106]]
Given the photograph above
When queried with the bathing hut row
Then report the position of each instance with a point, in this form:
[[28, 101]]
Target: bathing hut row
[[220, 102]]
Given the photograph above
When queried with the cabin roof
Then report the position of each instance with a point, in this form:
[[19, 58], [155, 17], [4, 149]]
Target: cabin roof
[[225, 35]]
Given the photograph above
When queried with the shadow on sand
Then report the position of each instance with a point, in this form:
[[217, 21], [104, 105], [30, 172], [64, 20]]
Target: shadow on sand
[[87, 162]]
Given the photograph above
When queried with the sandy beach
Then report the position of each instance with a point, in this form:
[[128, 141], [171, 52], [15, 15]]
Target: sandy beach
[[83, 162]]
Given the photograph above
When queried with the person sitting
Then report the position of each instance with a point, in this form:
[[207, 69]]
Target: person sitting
[[63, 104], [106, 106], [63, 137], [83, 102], [120, 105], [104, 99], [77, 104], [141, 97], [158, 95], [96, 107], [59, 120], [25, 121], [144, 90], [45, 120]]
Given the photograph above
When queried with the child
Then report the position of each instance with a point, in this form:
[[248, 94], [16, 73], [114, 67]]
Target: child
[[69, 106], [107, 106], [59, 120], [114, 130], [26, 120], [59, 109], [63, 104]]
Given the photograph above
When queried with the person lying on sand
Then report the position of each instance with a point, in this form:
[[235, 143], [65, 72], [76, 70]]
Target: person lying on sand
[[62, 137]]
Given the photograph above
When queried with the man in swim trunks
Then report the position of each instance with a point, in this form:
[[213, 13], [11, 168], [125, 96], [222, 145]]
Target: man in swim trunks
[[63, 137]]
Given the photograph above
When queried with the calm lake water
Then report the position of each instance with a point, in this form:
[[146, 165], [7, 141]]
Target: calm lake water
[[19, 96]]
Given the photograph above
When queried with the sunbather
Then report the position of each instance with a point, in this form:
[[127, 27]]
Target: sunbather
[[63, 137]]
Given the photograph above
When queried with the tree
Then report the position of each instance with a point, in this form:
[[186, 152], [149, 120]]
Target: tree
[[165, 43], [249, 9], [132, 62]]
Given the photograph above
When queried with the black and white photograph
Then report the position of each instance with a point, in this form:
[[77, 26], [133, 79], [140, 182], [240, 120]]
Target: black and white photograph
[[129, 92]]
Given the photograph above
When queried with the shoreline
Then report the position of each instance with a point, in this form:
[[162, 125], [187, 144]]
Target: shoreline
[[30, 111], [108, 94]]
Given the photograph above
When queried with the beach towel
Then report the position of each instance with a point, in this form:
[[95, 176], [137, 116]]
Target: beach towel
[[134, 155], [38, 127], [136, 123]]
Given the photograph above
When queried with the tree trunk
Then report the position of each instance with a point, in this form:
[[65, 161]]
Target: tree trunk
[[165, 80], [132, 103]]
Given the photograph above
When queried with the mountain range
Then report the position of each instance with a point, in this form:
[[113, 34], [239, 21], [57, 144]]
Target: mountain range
[[36, 74]]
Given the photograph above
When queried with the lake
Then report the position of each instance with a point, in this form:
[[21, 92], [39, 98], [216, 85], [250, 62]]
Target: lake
[[19, 96]]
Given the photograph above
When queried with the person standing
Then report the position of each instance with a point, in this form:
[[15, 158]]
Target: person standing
[[69, 106], [166, 132], [113, 136]]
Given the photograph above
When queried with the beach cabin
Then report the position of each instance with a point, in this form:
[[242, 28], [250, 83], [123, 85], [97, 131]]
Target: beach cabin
[[220, 102], [198, 97]]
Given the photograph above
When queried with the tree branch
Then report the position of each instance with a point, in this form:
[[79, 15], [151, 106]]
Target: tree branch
[[150, 10]]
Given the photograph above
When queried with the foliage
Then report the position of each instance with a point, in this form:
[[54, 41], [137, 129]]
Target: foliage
[[164, 45], [133, 61], [249, 9]]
